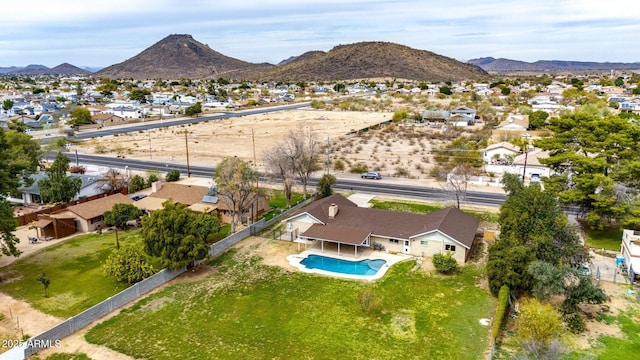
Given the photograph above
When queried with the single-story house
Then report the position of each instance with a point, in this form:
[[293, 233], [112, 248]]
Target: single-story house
[[203, 199], [90, 215], [630, 249], [108, 119], [499, 152], [529, 164], [336, 219], [514, 123], [91, 185]]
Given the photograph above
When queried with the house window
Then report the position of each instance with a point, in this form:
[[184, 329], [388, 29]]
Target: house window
[[424, 243], [395, 241], [451, 248]]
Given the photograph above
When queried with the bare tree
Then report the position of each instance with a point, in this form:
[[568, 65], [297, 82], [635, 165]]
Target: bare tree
[[115, 181], [457, 181], [277, 163], [236, 182], [303, 153]]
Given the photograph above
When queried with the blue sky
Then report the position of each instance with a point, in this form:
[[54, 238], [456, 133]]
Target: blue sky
[[102, 33]]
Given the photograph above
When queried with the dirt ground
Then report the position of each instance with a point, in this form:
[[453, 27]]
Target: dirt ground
[[210, 142], [403, 152]]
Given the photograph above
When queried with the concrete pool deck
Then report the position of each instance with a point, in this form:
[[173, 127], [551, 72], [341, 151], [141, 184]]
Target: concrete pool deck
[[391, 259]]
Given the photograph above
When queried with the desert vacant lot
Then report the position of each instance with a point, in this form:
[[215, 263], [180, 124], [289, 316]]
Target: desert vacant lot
[[210, 142]]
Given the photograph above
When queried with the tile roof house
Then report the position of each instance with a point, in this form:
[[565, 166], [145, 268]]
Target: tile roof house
[[336, 219]]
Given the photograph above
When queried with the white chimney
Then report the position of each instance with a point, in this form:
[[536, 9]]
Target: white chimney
[[333, 211], [156, 186]]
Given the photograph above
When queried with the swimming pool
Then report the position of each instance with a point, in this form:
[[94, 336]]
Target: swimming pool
[[367, 267]]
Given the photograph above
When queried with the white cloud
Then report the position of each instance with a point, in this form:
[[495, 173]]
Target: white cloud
[[106, 32]]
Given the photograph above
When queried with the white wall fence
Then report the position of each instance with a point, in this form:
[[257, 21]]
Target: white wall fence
[[50, 337]]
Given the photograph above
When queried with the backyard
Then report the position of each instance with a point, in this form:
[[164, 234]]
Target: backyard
[[74, 268], [246, 309]]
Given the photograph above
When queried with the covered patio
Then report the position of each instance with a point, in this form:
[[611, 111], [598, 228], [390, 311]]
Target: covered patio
[[337, 236]]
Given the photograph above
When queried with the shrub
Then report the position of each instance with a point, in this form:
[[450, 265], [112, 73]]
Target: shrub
[[358, 168], [575, 323], [445, 263], [173, 175], [153, 177], [401, 171], [503, 301], [338, 165], [538, 324], [136, 183]]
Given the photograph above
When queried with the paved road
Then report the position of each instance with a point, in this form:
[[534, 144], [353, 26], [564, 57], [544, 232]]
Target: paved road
[[157, 124], [376, 187]]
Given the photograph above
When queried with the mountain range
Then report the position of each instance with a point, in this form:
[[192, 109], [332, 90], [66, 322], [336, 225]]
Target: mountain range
[[181, 56], [505, 65], [62, 69]]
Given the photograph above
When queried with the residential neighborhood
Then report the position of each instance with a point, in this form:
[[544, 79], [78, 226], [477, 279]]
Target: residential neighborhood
[[490, 197]]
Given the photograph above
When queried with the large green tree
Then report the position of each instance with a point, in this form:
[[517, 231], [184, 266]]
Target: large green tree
[[7, 104], [176, 235], [120, 214], [532, 227], [80, 115], [59, 187], [19, 156], [194, 109], [237, 186], [597, 165]]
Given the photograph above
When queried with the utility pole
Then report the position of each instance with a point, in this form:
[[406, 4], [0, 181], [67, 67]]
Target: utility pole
[[328, 151], [150, 145], [526, 153], [255, 161], [186, 144]]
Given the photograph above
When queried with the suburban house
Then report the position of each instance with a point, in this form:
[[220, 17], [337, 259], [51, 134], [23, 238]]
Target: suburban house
[[199, 199], [630, 250], [528, 163], [338, 220], [89, 216], [500, 153], [514, 123], [463, 114], [108, 119], [91, 185]]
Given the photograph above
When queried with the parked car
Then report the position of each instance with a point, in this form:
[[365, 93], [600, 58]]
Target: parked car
[[371, 175], [137, 197]]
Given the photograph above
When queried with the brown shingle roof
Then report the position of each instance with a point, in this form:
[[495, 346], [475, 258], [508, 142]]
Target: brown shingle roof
[[97, 207], [337, 233], [184, 194], [391, 224]]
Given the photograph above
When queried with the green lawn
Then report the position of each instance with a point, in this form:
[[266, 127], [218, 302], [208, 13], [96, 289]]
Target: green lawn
[[246, 310], [421, 208], [609, 239], [74, 268]]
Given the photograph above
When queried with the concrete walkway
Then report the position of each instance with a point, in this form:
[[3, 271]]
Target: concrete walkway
[[362, 200]]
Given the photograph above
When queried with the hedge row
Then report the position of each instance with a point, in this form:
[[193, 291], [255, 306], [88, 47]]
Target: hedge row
[[503, 301]]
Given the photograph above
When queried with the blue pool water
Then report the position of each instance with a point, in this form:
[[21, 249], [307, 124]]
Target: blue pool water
[[362, 267]]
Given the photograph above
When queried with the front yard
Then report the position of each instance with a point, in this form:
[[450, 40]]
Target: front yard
[[245, 309]]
